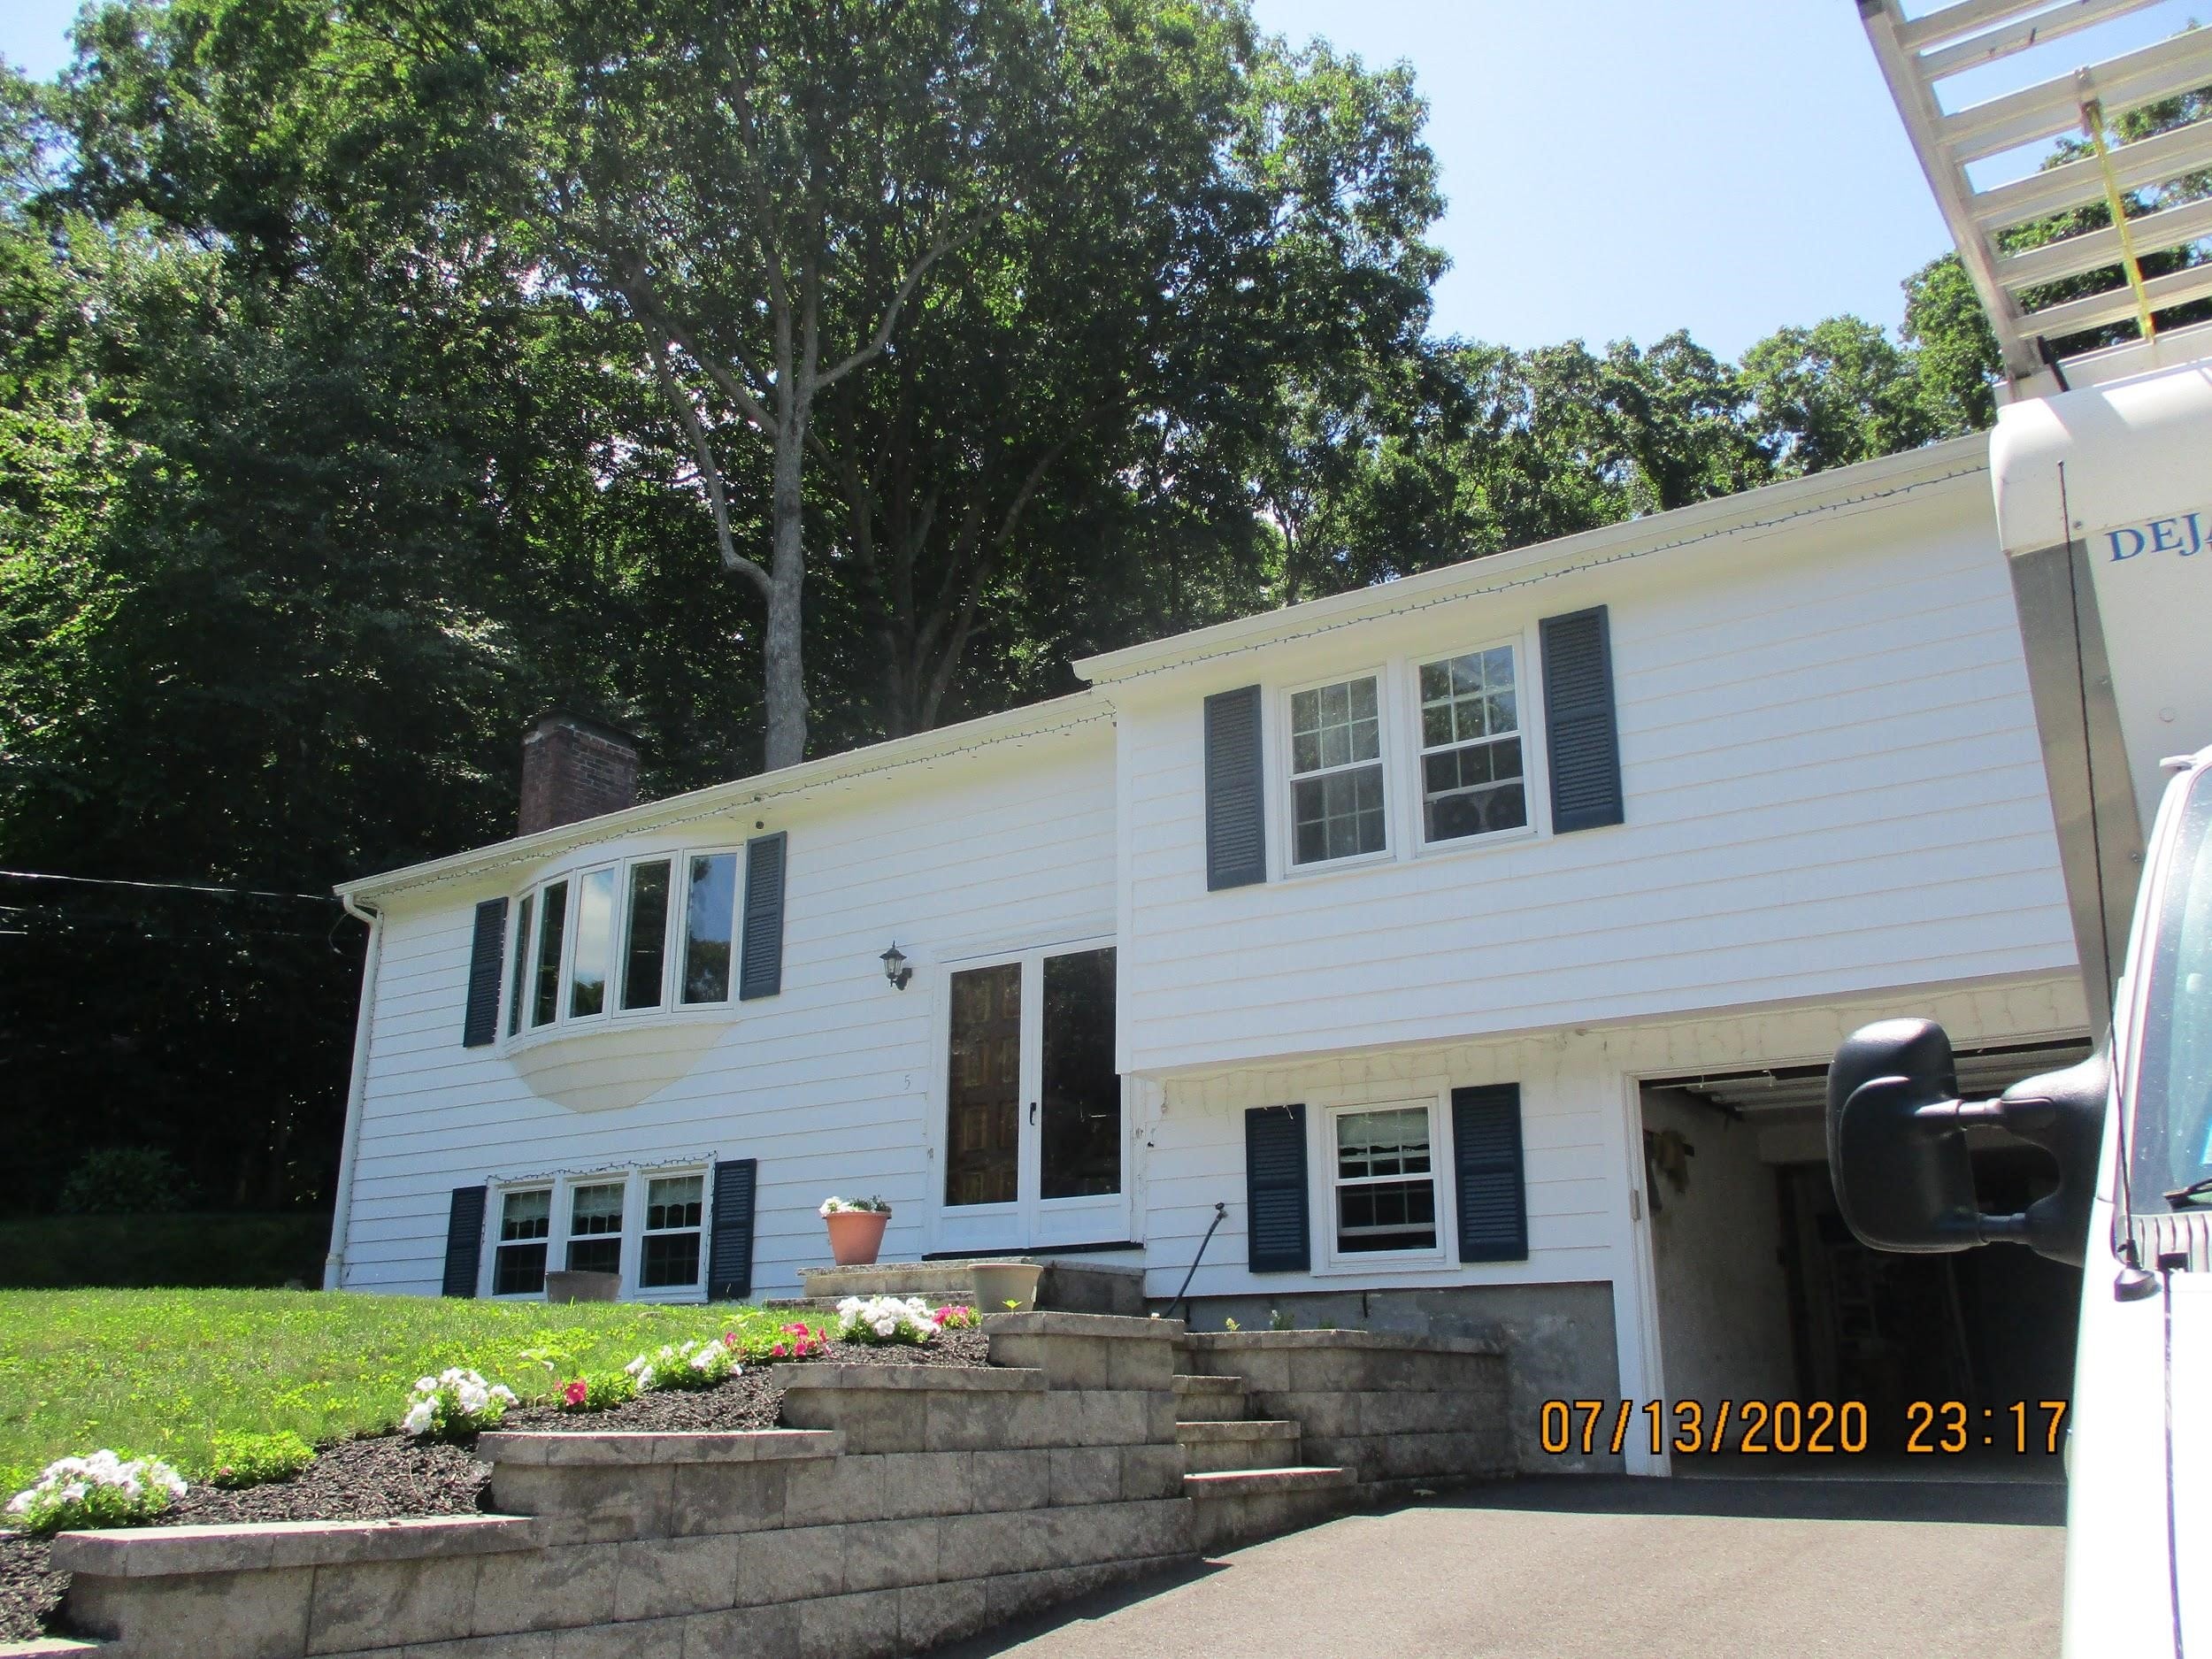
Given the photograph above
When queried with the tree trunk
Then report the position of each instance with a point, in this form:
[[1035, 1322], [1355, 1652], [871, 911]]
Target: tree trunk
[[784, 673]]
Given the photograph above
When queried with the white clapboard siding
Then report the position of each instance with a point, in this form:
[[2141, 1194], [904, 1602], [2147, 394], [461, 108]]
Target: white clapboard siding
[[826, 1084], [1577, 1089], [1832, 785]]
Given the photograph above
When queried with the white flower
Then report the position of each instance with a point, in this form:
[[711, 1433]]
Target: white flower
[[502, 1394], [426, 1385], [420, 1416]]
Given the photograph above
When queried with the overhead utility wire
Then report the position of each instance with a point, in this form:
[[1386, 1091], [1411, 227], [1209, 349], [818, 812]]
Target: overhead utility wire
[[163, 886]]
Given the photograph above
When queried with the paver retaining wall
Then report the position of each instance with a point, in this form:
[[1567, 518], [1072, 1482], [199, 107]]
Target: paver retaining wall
[[904, 1506]]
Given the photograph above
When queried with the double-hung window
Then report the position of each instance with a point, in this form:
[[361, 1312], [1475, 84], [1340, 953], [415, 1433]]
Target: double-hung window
[[648, 1227], [674, 1207], [1383, 1178], [1336, 771], [595, 1227], [526, 1224], [1472, 768]]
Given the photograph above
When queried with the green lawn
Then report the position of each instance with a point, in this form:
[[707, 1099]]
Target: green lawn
[[163, 1371]]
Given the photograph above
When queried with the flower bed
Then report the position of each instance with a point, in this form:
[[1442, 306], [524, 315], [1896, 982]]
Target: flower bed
[[397, 1475]]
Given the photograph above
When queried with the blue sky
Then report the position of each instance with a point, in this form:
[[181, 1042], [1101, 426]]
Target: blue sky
[[1616, 168]]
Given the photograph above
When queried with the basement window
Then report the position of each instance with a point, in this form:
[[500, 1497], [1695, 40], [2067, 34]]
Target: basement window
[[674, 1209], [1383, 1180], [526, 1224], [595, 1228]]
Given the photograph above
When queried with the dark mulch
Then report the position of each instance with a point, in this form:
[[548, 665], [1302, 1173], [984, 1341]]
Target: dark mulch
[[376, 1479]]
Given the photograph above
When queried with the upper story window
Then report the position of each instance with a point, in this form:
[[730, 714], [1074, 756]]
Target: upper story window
[[595, 943], [1336, 771], [1471, 769]]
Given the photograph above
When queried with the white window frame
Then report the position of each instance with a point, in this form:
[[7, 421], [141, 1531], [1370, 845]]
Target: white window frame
[[1287, 777], [1325, 1185], [680, 933], [561, 1190], [633, 1256], [569, 1188], [1535, 772], [522, 946], [563, 1007], [498, 1208]]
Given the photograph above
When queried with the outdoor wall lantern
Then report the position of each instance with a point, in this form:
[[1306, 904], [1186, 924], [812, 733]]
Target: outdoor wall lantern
[[895, 968]]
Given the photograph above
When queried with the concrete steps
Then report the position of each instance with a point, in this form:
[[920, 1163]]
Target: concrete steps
[[1241, 1506], [1222, 1447], [1208, 1399]]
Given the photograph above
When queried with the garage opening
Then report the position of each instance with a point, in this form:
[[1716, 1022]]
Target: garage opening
[[1764, 1295]]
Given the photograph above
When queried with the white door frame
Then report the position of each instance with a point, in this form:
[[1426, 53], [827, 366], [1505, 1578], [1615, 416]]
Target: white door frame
[[1031, 1223]]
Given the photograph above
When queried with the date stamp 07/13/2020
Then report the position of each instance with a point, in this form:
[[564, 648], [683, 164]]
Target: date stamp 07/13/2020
[[1792, 1427]]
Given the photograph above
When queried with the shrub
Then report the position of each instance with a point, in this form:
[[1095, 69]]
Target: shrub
[[254, 1460], [684, 1365], [602, 1393], [886, 1320], [454, 1403], [102, 1490], [124, 1181]]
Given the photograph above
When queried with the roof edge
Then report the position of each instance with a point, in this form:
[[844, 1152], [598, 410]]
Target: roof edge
[[1748, 509], [1036, 719]]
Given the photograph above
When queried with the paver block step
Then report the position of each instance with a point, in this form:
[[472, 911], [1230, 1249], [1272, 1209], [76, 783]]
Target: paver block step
[[1208, 1399], [1208, 1446], [1250, 1483], [1239, 1429]]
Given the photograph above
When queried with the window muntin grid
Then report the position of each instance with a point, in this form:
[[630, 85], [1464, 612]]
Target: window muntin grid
[[1385, 1180], [1472, 779], [1336, 771]]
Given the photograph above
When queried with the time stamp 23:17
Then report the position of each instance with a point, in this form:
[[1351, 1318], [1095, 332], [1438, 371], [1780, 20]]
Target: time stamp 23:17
[[1790, 1427]]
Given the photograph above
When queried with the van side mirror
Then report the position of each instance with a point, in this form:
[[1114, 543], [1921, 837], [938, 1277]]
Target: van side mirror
[[1897, 1144]]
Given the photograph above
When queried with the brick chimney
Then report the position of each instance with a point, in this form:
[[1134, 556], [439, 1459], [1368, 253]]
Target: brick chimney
[[574, 768]]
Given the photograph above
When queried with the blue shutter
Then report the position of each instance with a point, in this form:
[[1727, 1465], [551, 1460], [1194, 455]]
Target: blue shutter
[[1278, 1229], [762, 972], [1487, 1161], [730, 1240], [487, 952], [463, 1242], [1236, 792], [1580, 730]]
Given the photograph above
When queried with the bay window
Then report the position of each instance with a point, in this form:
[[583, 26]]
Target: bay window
[[625, 939], [710, 918], [648, 940]]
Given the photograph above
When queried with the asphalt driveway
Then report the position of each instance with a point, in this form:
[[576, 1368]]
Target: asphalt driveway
[[1561, 1568]]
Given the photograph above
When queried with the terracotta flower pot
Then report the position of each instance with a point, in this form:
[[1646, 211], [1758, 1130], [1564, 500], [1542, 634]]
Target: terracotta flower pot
[[998, 1283], [856, 1235]]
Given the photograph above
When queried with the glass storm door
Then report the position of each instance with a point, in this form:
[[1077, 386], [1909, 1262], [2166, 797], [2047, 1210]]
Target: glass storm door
[[1032, 1146]]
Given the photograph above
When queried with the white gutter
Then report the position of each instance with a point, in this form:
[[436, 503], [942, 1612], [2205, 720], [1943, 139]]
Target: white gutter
[[357, 1085]]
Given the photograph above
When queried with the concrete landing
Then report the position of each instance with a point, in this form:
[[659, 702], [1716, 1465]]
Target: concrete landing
[[1078, 1285]]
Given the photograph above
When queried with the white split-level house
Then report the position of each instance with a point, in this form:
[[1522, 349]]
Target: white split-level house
[[1474, 942]]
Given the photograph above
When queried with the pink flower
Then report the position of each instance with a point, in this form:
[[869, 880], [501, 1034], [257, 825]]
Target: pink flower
[[779, 1352], [575, 1392]]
